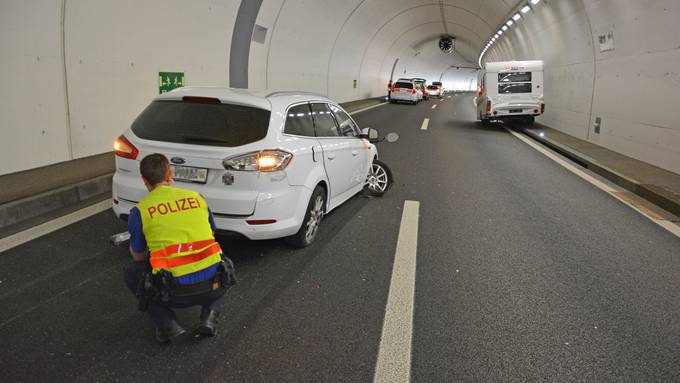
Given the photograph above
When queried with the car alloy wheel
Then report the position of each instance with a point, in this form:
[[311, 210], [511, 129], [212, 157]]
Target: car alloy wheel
[[315, 217], [379, 178]]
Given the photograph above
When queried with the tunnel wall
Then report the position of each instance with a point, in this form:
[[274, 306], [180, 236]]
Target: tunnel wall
[[348, 41], [78, 72], [632, 88]]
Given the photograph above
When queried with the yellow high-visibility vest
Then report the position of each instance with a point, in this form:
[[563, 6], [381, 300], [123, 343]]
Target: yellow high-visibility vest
[[177, 231]]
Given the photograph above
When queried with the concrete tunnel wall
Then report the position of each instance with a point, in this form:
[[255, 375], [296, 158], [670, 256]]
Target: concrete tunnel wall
[[632, 88]]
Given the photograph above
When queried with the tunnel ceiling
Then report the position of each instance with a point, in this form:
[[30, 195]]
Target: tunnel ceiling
[[421, 23]]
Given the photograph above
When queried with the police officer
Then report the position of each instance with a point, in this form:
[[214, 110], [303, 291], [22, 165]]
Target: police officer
[[176, 261]]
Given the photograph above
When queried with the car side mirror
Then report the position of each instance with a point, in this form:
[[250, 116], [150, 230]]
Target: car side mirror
[[370, 134]]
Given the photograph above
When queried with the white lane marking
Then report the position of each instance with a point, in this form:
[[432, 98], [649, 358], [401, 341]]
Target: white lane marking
[[370, 107], [425, 123], [394, 354], [22, 237], [670, 226], [448, 96], [434, 106]]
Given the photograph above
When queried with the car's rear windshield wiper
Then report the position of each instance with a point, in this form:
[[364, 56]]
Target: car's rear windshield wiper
[[197, 138]]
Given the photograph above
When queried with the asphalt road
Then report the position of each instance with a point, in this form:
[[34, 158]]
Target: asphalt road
[[524, 272]]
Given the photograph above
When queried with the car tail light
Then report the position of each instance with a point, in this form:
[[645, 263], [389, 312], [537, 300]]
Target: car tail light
[[542, 108], [411, 91], [395, 90], [124, 148], [263, 161], [488, 106], [535, 111], [495, 112]]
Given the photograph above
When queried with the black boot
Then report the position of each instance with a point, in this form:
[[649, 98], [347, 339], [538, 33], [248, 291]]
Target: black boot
[[164, 335], [208, 326]]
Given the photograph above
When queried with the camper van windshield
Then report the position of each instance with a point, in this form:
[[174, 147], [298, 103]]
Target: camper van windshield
[[514, 77]]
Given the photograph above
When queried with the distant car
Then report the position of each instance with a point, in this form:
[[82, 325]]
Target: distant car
[[439, 85], [404, 90], [270, 166], [434, 91], [420, 84]]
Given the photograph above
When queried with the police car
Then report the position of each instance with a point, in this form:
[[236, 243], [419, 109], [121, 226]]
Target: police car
[[269, 165]]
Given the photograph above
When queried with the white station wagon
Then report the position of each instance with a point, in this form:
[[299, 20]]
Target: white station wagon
[[270, 166]]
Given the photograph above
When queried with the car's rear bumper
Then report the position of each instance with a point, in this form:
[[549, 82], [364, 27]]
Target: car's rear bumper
[[287, 206], [403, 96]]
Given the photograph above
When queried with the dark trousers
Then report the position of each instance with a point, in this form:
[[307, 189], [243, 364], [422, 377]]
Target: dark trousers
[[162, 313]]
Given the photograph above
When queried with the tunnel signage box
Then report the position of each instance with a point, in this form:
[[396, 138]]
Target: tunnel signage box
[[606, 41], [168, 81]]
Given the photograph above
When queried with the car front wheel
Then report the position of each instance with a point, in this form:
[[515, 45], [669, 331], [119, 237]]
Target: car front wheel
[[379, 179], [313, 216]]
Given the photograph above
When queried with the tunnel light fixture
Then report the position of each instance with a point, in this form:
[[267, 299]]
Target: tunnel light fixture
[[505, 27], [495, 36], [525, 8], [516, 16], [534, 2], [500, 32], [509, 23]]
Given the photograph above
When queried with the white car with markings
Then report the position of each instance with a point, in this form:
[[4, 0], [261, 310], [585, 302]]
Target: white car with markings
[[269, 165]]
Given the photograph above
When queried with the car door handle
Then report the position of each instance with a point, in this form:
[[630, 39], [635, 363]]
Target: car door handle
[[355, 153], [331, 156]]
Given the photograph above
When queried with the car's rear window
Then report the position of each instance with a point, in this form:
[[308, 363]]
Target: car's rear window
[[436, 83], [201, 123], [432, 87], [406, 85]]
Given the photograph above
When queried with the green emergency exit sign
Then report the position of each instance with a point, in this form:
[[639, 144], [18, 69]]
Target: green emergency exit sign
[[168, 81]]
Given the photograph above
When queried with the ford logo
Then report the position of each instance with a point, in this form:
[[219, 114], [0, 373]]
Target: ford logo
[[177, 160]]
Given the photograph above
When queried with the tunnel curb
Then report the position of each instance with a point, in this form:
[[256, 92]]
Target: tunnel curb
[[646, 191], [15, 215]]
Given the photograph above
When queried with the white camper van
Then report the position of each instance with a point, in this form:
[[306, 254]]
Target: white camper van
[[510, 90]]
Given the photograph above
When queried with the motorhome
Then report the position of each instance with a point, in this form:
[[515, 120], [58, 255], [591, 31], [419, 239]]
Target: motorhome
[[510, 90]]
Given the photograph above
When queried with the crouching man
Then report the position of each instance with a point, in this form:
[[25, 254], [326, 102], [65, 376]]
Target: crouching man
[[176, 261]]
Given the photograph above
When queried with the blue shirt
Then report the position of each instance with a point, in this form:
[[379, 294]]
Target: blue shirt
[[138, 245]]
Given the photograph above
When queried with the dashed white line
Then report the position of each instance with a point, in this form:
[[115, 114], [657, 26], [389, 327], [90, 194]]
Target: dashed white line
[[394, 354], [434, 106], [425, 123], [370, 107], [614, 192], [53, 225]]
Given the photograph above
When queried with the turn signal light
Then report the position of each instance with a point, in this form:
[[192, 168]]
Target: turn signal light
[[542, 108], [488, 106], [124, 148], [263, 161]]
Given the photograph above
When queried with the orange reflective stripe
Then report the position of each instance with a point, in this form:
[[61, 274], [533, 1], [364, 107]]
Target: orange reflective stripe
[[185, 260], [181, 248]]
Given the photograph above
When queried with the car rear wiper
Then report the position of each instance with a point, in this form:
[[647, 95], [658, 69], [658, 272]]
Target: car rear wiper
[[197, 138]]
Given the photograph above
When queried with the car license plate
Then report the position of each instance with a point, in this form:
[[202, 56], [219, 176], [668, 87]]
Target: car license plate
[[515, 110], [189, 174]]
